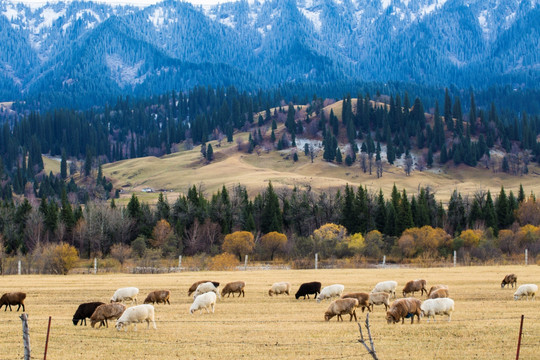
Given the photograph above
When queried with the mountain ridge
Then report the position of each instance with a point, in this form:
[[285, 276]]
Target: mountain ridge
[[255, 45]]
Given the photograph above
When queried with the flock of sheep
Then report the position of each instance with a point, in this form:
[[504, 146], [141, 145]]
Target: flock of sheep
[[205, 294]]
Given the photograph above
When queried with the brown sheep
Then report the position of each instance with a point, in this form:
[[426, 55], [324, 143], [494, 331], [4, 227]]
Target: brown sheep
[[414, 286], [234, 287], [14, 298], [440, 293], [379, 298], [510, 279], [341, 306], [107, 312], [158, 296], [436, 287], [193, 287], [363, 299], [404, 308]]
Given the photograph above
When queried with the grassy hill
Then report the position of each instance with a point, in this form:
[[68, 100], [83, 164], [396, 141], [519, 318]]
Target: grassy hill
[[175, 173]]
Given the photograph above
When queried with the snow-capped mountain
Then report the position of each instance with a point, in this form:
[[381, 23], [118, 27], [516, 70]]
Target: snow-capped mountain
[[100, 49]]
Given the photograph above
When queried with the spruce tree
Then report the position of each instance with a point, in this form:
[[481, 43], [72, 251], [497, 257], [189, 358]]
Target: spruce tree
[[502, 209], [448, 111], [380, 213], [63, 165], [490, 216], [209, 153], [271, 217]]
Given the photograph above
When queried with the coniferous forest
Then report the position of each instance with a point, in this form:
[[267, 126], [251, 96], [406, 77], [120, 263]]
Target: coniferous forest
[[77, 206]]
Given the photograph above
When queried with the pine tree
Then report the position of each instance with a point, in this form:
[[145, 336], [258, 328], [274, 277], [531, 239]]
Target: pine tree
[[66, 213], [472, 115], [502, 209], [448, 111], [339, 157], [380, 213], [162, 208], [490, 216], [63, 165], [271, 217], [210, 153], [521, 194], [348, 211], [404, 219]]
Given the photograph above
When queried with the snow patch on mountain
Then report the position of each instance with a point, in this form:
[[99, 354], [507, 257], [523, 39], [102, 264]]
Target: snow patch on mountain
[[314, 17], [123, 73]]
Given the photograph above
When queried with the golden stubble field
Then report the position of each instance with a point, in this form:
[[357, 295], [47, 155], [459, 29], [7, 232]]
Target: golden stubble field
[[485, 323]]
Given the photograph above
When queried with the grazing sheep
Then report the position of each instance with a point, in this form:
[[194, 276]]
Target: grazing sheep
[[414, 286], [84, 311], [106, 312], [510, 279], [135, 315], [387, 287], [379, 298], [308, 288], [193, 287], [203, 301], [158, 296], [439, 293], [234, 287], [204, 288], [340, 307], [125, 294], [14, 298], [363, 299], [436, 287], [330, 291], [280, 288], [526, 290], [404, 308], [441, 306]]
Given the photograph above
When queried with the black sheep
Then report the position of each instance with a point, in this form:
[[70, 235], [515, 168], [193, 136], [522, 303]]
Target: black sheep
[[85, 311], [308, 288]]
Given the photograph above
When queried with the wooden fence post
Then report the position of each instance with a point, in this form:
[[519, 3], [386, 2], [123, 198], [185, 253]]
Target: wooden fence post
[[26, 336]]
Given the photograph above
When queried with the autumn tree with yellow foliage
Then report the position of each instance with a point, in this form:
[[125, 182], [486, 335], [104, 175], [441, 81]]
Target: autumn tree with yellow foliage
[[239, 243], [273, 242]]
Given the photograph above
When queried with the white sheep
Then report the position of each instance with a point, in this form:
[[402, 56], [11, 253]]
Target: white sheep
[[526, 290], [124, 294], [203, 301], [204, 288], [330, 291], [386, 286], [136, 314], [280, 288], [439, 306]]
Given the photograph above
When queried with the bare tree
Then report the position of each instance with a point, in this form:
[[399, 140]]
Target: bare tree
[[211, 234], [421, 163], [379, 168], [363, 162], [485, 161], [33, 231], [192, 236], [408, 164]]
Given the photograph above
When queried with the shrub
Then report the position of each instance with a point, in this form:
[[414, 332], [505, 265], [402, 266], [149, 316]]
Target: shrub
[[223, 261]]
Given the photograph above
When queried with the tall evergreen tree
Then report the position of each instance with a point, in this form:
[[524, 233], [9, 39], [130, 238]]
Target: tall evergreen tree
[[271, 217], [63, 165]]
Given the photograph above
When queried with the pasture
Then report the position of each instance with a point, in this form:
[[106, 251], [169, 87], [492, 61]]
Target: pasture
[[485, 323]]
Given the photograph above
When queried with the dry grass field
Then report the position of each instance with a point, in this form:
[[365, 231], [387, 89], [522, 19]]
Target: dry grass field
[[485, 323], [177, 172]]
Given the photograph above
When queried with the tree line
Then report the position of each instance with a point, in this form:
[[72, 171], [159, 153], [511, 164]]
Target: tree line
[[294, 223]]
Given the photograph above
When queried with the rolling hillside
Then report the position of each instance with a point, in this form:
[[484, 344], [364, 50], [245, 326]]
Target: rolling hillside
[[175, 173]]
